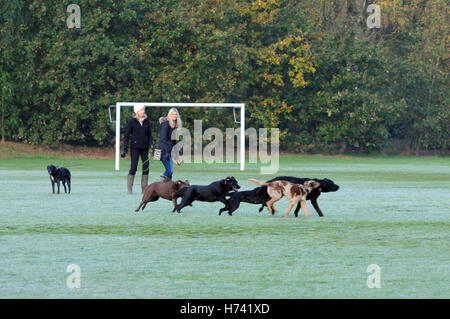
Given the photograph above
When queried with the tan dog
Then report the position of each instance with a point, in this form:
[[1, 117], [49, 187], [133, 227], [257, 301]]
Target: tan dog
[[294, 192], [161, 189]]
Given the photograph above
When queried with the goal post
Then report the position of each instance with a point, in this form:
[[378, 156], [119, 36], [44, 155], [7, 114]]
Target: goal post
[[240, 106]]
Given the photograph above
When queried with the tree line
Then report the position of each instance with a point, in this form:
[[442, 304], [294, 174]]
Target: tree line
[[312, 68]]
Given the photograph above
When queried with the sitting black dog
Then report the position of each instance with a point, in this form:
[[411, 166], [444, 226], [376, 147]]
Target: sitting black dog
[[57, 175], [209, 193], [255, 196], [326, 185]]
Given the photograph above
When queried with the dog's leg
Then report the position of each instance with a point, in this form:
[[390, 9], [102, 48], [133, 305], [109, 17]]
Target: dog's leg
[[58, 185], [262, 207], [297, 209], [274, 210], [291, 204], [182, 205], [269, 206], [68, 184], [139, 207], [184, 202], [222, 210], [53, 187], [316, 206], [227, 207], [275, 196], [187, 199], [64, 184], [304, 208], [234, 208]]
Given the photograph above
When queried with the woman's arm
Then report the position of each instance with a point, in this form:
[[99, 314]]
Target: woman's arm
[[163, 132], [128, 132], [150, 136]]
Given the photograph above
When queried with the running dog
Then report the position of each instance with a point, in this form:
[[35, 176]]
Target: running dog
[[209, 193], [258, 195], [326, 186], [165, 190], [57, 175], [294, 192]]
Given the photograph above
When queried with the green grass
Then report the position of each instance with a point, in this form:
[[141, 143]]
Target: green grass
[[390, 211]]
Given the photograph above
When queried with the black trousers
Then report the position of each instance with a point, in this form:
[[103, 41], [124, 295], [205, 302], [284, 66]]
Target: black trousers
[[135, 154]]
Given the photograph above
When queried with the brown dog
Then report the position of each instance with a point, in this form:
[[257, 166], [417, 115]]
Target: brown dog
[[161, 189], [294, 192]]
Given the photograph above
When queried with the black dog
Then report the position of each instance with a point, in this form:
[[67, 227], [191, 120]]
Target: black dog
[[255, 196], [326, 185], [57, 175], [210, 193]]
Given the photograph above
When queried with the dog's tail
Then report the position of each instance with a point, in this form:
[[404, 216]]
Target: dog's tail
[[258, 182]]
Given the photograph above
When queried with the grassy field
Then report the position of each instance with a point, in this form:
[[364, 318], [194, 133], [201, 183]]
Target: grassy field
[[389, 211]]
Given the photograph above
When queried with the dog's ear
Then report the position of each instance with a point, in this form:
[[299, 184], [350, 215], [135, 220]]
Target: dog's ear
[[314, 184]]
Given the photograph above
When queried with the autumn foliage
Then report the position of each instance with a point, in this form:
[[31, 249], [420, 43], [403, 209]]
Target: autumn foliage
[[309, 67]]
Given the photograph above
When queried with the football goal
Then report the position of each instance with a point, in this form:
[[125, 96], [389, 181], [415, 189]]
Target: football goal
[[234, 106]]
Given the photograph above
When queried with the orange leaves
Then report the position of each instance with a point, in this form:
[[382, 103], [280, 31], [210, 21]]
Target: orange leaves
[[264, 4], [290, 58], [275, 79], [264, 12]]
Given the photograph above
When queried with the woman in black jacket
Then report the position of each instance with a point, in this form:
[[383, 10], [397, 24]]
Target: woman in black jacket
[[166, 143], [141, 141]]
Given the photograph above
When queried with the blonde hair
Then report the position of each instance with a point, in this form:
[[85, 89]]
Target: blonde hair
[[179, 122]]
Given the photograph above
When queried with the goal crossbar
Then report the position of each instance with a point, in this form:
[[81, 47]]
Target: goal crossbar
[[241, 106]]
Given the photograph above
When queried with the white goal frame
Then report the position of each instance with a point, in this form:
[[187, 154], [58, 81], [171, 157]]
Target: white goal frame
[[240, 106]]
